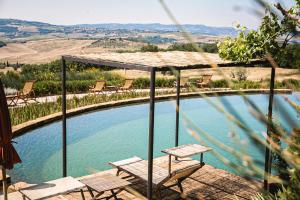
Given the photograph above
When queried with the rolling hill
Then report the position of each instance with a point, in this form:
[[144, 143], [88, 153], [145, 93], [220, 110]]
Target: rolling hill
[[14, 28]]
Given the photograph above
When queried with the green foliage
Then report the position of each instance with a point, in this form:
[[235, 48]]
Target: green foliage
[[239, 74], [255, 44], [150, 48], [219, 84], [246, 84], [292, 189], [152, 39], [160, 82], [32, 111], [209, 48], [182, 47], [2, 44], [12, 80], [43, 88], [290, 57]]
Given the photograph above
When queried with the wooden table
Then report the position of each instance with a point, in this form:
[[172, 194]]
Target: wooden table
[[184, 151], [103, 183], [111, 88]]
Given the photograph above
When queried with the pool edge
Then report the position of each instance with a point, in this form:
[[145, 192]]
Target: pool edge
[[20, 129]]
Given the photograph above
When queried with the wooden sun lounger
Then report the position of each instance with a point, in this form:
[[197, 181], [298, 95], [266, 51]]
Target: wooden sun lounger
[[139, 168], [205, 81], [184, 82], [13, 196], [52, 188], [128, 85], [26, 94], [98, 88]]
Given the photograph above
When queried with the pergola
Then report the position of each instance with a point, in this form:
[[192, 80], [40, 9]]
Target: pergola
[[154, 62]]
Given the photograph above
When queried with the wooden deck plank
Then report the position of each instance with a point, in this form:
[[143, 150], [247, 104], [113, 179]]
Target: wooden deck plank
[[206, 183]]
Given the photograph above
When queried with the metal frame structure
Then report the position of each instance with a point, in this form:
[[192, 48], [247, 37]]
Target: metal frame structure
[[153, 70]]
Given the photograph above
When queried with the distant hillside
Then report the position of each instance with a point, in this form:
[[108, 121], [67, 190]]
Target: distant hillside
[[13, 28], [201, 29]]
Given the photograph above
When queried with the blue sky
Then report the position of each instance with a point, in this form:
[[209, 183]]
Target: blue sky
[[64, 12]]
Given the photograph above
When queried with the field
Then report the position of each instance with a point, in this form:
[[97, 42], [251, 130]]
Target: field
[[42, 51], [253, 74], [47, 50]]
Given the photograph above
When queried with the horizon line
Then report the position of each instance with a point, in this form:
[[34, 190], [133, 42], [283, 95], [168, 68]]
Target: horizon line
[[128, 23]]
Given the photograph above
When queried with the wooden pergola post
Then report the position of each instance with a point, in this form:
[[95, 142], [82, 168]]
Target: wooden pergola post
[[64, 117], [268, 154], [177, 108], [151, 133]]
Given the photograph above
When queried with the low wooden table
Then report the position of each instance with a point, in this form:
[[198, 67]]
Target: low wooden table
[[184, 151], [103, 183], [111, 88]]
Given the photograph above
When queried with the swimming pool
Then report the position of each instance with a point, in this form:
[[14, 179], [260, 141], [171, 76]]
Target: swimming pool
[[98, 137]]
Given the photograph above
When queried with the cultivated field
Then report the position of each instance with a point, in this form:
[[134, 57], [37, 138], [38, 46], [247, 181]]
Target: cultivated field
[[253, 73], [44, 51]]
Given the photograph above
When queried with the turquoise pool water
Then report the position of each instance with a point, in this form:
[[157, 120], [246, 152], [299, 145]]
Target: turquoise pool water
[[98, 137]]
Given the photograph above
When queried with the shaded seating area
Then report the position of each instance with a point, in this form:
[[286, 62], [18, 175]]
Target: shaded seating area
[[162, 179], [152, 63], [26, 94]]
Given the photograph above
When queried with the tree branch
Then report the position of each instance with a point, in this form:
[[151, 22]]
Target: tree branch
[[286, 13]]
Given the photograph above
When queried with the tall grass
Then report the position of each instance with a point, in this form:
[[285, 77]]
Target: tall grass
[[36, 110]]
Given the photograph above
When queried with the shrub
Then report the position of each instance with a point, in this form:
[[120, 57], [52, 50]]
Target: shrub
[[2, 44], [240, 74], [209, 48], [150, 48], [12, 80], [219, 83], [288, 83], [54, 87], [246, 84], [160, 82]]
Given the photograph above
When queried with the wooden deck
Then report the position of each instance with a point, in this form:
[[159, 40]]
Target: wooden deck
[[206, 183]]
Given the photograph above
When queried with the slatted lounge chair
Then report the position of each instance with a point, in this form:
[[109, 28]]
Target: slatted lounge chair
[[52, 188], [184, 82], [13, 196], [205, 81], [128, 85], [138, 168], [98, 88], [26, 94], [104, 182]]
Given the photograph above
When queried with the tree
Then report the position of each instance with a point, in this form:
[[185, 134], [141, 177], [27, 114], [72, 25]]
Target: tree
[[253, 44], [150, 48]]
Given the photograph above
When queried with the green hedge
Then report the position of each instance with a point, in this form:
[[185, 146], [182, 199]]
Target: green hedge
[[42, 88], [160, 82], [246, 84], [80, 86]]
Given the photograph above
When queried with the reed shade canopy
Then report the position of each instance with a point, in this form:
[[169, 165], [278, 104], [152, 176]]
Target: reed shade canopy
[[161, 61], [153, 62], [8, 154]]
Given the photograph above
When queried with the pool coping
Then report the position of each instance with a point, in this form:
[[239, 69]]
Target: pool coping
[[20, 129]]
